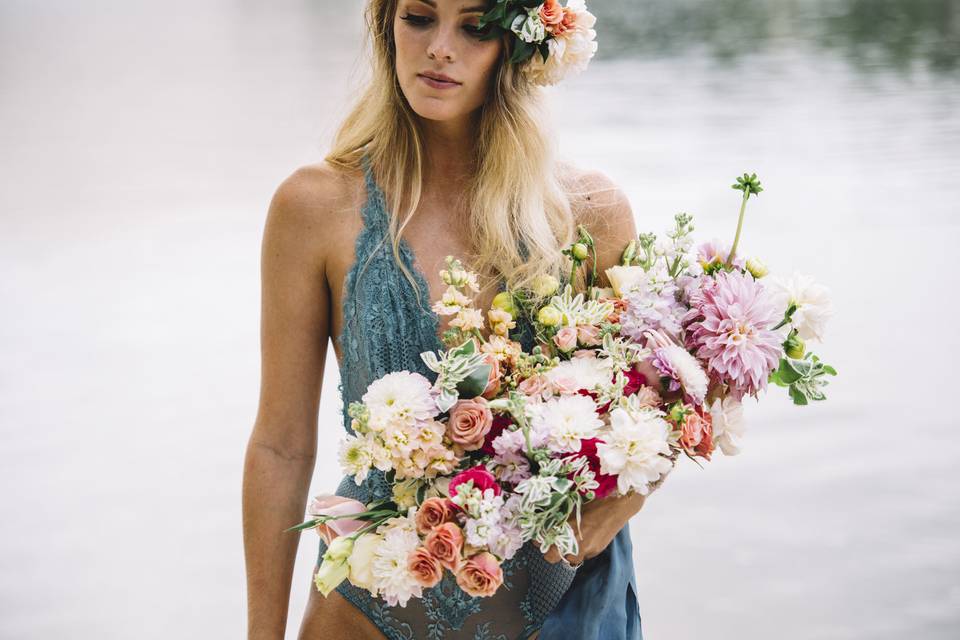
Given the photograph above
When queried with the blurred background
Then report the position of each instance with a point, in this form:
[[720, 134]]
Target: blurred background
[[140, 143]]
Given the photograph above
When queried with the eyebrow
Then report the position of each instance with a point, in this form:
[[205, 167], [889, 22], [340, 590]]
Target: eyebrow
[[474, 9]]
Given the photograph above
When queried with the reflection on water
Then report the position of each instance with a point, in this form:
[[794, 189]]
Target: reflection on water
[[872, 34], [140, 143]]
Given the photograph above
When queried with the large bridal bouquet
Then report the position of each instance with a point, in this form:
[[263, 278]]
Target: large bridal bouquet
[[505, 446]]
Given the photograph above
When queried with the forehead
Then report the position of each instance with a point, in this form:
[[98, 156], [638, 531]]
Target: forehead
[[459, 6]]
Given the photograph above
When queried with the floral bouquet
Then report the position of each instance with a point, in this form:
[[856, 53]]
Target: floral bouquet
[[506, 446]]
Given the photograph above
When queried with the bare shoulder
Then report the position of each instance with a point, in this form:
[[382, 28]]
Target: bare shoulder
[[312, 207], [598, 203]]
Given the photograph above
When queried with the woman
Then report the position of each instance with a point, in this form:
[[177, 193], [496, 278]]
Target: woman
[[445, 154]]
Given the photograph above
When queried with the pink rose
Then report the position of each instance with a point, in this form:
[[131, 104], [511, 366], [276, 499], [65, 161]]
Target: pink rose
[[696, 434], [424, 567], [566, 338], [327, 505], [493, 379], [482, 479], [551, 13], [588, 335], [535, 385], [585, 353], [445, 543], [432, 513], [480, 575]]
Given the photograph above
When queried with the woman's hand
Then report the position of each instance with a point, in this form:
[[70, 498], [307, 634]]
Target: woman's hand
[[600, 522]]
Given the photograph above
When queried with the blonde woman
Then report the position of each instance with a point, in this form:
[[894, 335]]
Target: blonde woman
[[446, 153]]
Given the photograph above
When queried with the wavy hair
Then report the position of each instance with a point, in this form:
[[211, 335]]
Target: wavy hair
[[520, 211]]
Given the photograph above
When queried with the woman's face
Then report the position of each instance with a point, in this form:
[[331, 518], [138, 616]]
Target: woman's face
[[443, 66]]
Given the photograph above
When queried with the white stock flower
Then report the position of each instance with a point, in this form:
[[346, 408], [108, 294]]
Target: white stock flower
[[632, 449], [728, 424], [567, 420], [355, 457], [813, 303]]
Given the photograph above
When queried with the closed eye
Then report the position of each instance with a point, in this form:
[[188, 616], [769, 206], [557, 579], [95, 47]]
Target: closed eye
[[414, 19]]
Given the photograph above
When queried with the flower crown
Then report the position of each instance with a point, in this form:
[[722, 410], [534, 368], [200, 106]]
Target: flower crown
[[552, 40]]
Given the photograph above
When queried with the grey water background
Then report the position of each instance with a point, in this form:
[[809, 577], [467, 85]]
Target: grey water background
[[140, 143]]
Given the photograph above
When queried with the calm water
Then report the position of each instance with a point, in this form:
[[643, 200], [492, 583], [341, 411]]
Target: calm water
[[140, 144]]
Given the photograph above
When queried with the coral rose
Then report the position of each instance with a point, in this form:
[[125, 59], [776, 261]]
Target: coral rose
[[696, 434], [469, 422], [424, 567], [432, 513], [551, 13], [493, 379], [445, 543], [480, 575]]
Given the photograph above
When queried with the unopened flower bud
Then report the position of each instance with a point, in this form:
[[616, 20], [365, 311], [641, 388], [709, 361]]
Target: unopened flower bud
[[545, 285], [756, 268], [628, 253], [580, 251], [549, 316], [504, 302], [793, 346]]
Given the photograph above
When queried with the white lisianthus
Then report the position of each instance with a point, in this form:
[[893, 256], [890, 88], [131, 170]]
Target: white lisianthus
[[728, 424], [334, 568], [400, 397], [567, 420], [632, 449], [361, 561], [355, 457], [625, 278], [813, 303], [530, 27]]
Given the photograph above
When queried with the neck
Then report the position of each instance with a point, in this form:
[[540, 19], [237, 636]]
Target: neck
[[448, 152]]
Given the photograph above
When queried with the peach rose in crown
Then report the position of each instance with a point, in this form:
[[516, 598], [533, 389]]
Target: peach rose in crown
[[480, 575], [432, 513], [470, 421], [424, 567], [551, 13], [566, 338], [445, 543]]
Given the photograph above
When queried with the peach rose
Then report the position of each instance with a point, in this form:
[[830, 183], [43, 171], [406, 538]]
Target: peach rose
[[445, 543], [535, 385], [424, 568], [493, 380], [568, 22], [566, 338], [551, 13], [469, 422], [432, 513], [588, 335], [480, 575], [696, 434]]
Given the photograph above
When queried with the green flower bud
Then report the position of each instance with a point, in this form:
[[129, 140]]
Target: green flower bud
[[549, 316], [756, 268], [504, 302], [545, 285], [580, 251], [628, 253], [793, 346]]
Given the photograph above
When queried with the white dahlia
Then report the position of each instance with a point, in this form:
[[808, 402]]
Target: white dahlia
[[582, 373], [391, 577], [728, 424], [567, 420], [399, 398]]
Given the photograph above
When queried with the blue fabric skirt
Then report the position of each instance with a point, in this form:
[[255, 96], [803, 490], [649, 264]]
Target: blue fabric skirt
[[601, 603]]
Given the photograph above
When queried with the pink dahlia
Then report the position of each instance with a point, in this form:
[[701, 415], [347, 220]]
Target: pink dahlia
[[728, 328]]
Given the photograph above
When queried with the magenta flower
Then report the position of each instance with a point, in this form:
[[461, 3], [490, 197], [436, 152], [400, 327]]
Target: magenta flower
[[728, 328]]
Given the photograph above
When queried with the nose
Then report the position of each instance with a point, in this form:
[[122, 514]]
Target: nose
[[440, 47]]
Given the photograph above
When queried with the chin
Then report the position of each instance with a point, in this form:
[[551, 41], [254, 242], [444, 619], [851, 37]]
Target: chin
[[434, 109]]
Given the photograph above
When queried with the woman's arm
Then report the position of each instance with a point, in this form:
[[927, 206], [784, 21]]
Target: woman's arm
[[281, 451]]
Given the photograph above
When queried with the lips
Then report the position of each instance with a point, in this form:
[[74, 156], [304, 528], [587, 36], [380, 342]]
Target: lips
[[438, 80]]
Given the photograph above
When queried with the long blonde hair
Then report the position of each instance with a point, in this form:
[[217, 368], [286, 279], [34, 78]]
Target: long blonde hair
[[520, 215]]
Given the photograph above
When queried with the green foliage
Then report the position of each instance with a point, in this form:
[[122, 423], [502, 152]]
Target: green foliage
[[803, 377]]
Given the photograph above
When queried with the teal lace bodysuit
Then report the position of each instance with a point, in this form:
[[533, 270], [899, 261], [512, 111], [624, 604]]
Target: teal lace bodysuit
[[385, 330]]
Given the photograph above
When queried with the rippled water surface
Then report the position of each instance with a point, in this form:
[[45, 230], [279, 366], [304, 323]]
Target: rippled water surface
[[140, 143]]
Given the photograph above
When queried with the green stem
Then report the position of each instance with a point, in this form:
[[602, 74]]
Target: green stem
[[736, 239]]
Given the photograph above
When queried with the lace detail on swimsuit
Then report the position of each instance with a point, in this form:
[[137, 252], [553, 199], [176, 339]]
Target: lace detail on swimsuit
[[385, 330]]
